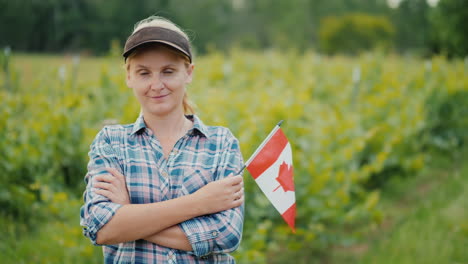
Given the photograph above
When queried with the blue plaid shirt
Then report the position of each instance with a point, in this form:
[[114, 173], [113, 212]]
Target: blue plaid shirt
[[204, 154]]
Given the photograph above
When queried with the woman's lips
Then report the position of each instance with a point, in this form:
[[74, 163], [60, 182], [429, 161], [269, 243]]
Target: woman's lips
[[159, 96]]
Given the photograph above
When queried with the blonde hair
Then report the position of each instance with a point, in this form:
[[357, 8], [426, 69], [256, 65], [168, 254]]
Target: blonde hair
[[157, 21]]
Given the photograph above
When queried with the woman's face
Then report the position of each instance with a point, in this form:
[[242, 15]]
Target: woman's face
[[158, 78]]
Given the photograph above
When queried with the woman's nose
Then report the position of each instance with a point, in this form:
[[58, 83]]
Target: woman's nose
[[156, 83]]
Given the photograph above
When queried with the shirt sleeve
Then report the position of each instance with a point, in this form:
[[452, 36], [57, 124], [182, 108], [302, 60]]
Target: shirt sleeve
[[97, 209], [220, 232]]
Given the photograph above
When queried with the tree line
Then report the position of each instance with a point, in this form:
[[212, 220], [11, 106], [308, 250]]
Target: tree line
[[92, 25]]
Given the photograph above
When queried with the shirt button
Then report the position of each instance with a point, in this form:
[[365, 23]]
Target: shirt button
[[214, 234]]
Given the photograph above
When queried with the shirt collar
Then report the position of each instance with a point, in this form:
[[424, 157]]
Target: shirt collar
[[138, 125], [198, 125]]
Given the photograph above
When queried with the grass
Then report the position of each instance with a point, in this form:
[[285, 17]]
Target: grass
[[33, 74], [425, 219]]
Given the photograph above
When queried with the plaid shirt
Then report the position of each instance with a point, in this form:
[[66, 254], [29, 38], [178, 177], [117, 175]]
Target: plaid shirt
[[204, 154]]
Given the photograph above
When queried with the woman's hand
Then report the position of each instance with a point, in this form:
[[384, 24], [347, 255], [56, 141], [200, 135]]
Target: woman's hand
[[221, 195], [112, 186]]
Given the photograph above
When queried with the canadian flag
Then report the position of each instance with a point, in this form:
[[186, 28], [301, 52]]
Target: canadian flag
[[271, 167]]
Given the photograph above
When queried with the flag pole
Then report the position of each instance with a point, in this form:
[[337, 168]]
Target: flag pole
[[261, 146]]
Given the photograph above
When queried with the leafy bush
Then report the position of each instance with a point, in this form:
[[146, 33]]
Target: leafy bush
[[450, 34], [354, 33], [447, 121]]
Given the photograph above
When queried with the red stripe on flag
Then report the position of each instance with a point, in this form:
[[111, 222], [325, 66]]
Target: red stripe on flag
[[268, 154], [289, 216]]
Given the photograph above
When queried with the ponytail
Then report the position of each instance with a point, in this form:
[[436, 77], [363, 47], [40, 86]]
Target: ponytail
[[188, 107]]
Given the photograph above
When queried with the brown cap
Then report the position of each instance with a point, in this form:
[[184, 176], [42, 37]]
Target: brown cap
[[157, 35]]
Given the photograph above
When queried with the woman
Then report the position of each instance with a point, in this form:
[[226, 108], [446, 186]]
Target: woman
[[163, 189]]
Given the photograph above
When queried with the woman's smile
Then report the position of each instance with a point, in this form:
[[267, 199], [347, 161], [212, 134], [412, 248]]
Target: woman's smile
[[158, 96]]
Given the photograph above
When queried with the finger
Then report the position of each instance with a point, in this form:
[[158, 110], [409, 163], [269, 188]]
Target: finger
[[120, 177], [115, 173], [106, 186], [104, 178], [103, 185], [239, 194], [109, 195], [238, 202], [235, 180], [241, 183], [236, 188], [98, 178]]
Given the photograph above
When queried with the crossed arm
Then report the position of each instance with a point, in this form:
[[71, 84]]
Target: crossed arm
[[208, 220], [158, 222]]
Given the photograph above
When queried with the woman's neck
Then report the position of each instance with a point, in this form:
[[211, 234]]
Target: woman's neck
[[171, 126]]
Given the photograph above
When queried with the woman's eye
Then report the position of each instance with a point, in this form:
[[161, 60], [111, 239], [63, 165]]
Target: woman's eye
[[168, 71], [144, 73]]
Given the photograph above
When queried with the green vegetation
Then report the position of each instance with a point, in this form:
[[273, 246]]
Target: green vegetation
[[356, 125], [86, 26], [425, 220], [448, 21], [355, 33], [55, 237]]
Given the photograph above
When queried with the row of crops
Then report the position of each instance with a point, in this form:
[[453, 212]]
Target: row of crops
[[354, 123]]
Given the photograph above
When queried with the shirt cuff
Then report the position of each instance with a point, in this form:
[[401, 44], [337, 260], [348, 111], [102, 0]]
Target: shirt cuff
[[201, 236], [98, 215]]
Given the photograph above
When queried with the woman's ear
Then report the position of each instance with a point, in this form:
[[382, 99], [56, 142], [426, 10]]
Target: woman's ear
[[127, 79], [189, 73]]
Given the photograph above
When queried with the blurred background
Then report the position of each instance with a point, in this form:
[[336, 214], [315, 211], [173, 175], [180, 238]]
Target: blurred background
[[374, 95], [95, 27]]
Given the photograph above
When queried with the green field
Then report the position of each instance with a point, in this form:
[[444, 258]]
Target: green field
[[425, 219], [378, 143]]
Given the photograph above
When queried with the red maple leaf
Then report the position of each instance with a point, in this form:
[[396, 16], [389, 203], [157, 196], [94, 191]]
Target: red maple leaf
[[285, 177]]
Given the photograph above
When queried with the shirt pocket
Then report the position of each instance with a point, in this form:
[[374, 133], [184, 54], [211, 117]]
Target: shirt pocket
[[194, 179], [145, 184]]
